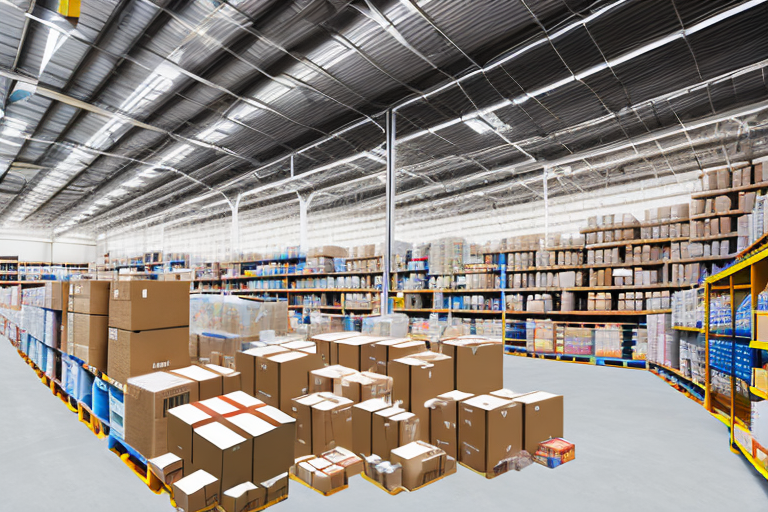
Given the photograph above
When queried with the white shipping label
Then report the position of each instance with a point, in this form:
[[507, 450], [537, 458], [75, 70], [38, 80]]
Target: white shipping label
[[112, 333], [144, 293], [117, 293]]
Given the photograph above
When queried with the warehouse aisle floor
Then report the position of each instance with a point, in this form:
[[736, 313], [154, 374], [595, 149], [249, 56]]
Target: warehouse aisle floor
[[633, 433]]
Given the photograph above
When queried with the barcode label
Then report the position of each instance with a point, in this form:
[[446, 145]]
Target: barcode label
[[175, 401]]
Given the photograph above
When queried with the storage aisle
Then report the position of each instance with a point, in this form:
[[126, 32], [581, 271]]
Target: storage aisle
[[632, 432]]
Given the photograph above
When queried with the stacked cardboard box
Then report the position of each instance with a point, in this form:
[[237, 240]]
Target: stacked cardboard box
[[478, 364], [87, 320], [351, 384], [148, 327], [323, 422], [330, 471]]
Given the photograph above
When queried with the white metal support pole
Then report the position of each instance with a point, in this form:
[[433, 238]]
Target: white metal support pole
[[390, 214], [545, 177], [234, 237], [304, 221]]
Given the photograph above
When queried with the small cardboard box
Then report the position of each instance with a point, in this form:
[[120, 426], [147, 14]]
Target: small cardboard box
[[362, 421], [301, 410], [88, 336], [346, 459], [363, 386], [146, 305], [478, 363], [182, 421], [210, 384], [230, 378], [197, 491], [137, 353], [421, 463], [326, 344], [277, 487], [243, 498], [89, 297], [220, 451], [245, 363], [443, 420], [284, 376], [55, 291], [147, 398], [328, 379], [169, 468], [490, 432], [391, 428], [396, 348], [542, 418]]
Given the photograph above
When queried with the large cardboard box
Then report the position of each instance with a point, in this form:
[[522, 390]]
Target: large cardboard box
[[443, 421], [421, 463], [133, 353], [356, 352], [197, 491], [490, 432], [478, 364], [326, 344], [145, 305], [147, 400], [223, 453], [182, 421], [331, 424], [230, 378], [244, 498], [273, 435], [387, 350], [391, 428], [245, 363], [210, 384], [284, 376], [362, 421], [301, 410], [419, 378], [89, 297], [542, 418], [88, 338]]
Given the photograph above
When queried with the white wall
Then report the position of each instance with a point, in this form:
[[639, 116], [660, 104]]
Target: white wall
[[29, 247]]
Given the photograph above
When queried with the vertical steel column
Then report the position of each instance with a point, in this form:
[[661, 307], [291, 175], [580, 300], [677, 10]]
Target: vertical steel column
[[546, 206], [390, 216], [234, 235]]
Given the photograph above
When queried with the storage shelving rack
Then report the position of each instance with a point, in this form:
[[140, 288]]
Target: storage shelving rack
[[9, 268]]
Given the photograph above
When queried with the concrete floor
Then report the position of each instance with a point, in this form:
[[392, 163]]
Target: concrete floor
[[640, 445]]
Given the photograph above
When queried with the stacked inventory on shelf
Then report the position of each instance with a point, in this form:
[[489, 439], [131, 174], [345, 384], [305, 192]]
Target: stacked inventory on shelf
[[9, 268]]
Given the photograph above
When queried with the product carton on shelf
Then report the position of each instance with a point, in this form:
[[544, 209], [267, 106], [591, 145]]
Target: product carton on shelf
[[89, 297], [542, 418], [421, 463], [87, 338], [197, 491], [147, 398], [244, 498], [362, 421], [478, 363], [169, 468], [443, 420], [232, 316], [284, 376], [245, 363], [490, 433], [148, 305]]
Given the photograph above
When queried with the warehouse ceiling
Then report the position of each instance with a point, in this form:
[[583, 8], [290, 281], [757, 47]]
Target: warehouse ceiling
[[146, 110]]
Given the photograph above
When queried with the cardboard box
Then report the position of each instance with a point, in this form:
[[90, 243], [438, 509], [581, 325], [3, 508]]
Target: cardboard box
[[277, 487], [89, 297], [147, 398], [391, 428], [421, 463], [284, 376], [182, 421], [326, 344], [396, 348], [328, 379], [137, 353], [478, 364], [88, 338], [197, 491], [346, 459], [223, 453], [419, 378], [331, 424], [360, 387], [356, 352], [272, 446], [542, 418], [243, 498], [490, 432], [230, 378], [245, 363], [301, 410], [55, 291], [443, 420], [146, 305], [362, 421], [169, 468], [210, 384], [762, 328]]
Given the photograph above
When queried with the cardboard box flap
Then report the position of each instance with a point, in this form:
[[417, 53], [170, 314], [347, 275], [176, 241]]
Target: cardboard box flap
[[373, 405], [412, 450], [163, 461], [194, 482], [159, 381], [488, 402], [535, 396], [327, 405], [238, 490], [219, 435], [319, 463], [265, 351], [251, 424], [195, 373], [392, 411], [298, 345], [455, 395], [220, 369], [396, 341], [243, 398], [428, 355], [286, 356], [272, 481], [309, 400], [334, 336], [219, 406], [189, 414], [506, 393], [276, 414]]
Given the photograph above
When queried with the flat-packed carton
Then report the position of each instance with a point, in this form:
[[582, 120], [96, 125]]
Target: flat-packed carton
[[418, 378], [209, 384], [356, 352], [243, 498], [421, 463], [169, 468], [182, 421], [223, 453], [490, 432], [391, 428], [230, 378], [443, 421], [301, 410], [137, 353], [478, 363], [387, 350], [197, 491], [362, 421], [89, 297], [88, 338], [245, 363], [146, 305], [147, 398], [331, 424], [542, 418], [326, 344], [277, 487], [284, 376]]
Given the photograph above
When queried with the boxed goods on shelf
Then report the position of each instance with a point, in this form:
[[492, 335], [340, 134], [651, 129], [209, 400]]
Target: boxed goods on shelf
[[227, 315], [87, 339]]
